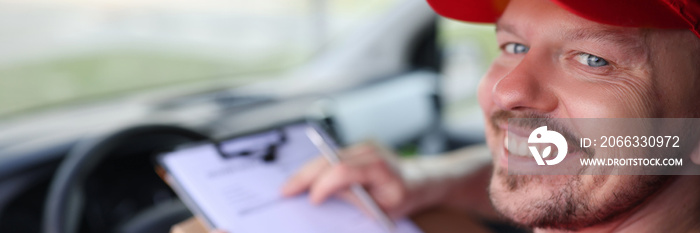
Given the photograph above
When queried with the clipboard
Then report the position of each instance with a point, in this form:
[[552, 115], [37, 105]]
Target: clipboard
[[234, 185]]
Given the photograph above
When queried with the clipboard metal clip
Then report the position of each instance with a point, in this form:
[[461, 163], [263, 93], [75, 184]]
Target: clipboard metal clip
[[265, 148]]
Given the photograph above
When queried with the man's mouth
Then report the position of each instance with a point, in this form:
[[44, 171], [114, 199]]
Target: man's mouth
[[516, 152], [517, 145], [527, 157]]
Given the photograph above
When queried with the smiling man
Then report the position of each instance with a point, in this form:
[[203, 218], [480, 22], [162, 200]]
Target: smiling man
[[557, 64], [560, 59]]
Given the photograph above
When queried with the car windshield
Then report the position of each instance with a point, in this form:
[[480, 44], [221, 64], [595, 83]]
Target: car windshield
[[55, 52]]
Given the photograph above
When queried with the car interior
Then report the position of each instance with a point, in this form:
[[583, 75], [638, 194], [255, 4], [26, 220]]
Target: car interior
[[90, 167]]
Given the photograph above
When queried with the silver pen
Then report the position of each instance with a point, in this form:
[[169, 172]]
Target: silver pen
[[364, 197]]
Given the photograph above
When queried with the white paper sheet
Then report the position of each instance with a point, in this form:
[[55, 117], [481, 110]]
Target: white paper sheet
[[242, 194]]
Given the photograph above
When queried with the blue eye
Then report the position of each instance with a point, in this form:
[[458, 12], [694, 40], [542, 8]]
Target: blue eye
[[515, 48], [591, 60]]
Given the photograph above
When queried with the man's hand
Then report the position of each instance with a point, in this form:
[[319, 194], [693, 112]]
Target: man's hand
[[368, 164]]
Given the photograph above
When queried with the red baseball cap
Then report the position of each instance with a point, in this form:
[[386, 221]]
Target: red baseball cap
[[626, 13]]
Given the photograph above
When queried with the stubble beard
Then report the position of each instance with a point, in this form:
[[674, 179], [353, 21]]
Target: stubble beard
[[567, 202], [571, 205]]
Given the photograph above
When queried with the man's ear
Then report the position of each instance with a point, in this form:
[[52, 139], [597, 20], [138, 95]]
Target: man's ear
[[695, 155]]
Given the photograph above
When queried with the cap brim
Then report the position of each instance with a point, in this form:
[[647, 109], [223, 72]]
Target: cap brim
[[470, 11], [627, 13]]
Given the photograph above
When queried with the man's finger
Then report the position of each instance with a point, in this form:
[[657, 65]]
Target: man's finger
[[303, 179], [339, 178], [396, 213], [354, 200], [312, 171], [357, 150]]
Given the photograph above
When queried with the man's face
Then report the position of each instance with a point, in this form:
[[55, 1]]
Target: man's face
[[555, 64]]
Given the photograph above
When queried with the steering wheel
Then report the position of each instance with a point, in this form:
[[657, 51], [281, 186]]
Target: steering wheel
[[64, 205]]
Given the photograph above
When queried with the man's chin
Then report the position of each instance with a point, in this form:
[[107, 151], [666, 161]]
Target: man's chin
[[565, 202], [528, 199]]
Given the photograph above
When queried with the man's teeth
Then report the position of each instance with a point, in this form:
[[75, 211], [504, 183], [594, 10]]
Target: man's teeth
[[517, 146]]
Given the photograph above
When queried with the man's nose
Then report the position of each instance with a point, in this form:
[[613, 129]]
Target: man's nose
[[525, 89]]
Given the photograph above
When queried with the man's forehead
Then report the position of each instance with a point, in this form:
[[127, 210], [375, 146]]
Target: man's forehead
[[572, 32], [527, 19]]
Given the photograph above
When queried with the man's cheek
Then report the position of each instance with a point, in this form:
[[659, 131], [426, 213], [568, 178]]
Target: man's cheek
[[609, 101], [621, 94]]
